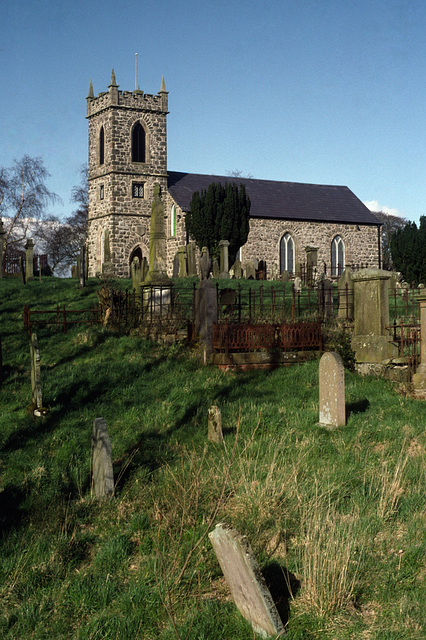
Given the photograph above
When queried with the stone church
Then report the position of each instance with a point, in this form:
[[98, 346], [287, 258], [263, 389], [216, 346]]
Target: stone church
[[128, 155]]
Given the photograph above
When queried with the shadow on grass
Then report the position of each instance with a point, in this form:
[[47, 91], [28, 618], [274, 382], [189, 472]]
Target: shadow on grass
[[11, 514], [360, 406], [283, 586]]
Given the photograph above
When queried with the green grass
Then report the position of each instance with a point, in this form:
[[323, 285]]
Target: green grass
[[337, 517]]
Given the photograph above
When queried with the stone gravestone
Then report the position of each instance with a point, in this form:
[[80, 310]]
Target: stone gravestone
[[285, 276], [238, 272], [214, 420], [332, 408], [215, 267], [206, 315], [224, 260], [144, 269], [107, 266], [36, 393], [246, 583], [157, 242], [370, 339], [182, 255], [419, 378], [192, 263], [135, 271], [346, 294], [297, 284], [29, 259], [204, 264], [176, 266], [102, 472], [249, 270]]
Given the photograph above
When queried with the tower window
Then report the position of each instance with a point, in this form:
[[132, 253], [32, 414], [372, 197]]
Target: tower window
[[101, 146], [101, 192], [287, 253], [138, 143], [137, 190]]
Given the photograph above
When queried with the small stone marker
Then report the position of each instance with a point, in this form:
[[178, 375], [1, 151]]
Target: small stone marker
[[246, 583], [36, 394], [215, 425], [332, 408], [103, 475]]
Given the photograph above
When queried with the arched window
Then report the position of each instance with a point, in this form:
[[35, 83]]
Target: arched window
[[173, 221], [138, 143], [101, 146], [287, 253], [337, 256]]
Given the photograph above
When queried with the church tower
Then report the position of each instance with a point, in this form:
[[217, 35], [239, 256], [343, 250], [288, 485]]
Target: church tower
[[127, 156]]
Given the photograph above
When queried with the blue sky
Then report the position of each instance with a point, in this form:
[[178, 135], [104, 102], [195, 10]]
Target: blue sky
[[317, 91]]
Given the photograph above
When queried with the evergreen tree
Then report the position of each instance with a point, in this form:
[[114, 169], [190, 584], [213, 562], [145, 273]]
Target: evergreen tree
[[221, 212], [408, 247]]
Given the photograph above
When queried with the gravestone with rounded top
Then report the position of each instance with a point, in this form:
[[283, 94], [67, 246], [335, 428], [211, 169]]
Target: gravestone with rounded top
[[103, 475], [215, 434], [332, 408], [246, 583]]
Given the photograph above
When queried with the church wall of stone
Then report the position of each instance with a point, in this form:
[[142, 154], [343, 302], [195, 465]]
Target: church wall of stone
[[361, 241]]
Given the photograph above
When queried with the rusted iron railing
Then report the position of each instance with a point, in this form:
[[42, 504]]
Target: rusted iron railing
[[251, 337], [60, 316], [407, 336]]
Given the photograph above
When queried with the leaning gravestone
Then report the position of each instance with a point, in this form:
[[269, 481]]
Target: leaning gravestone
[[36, 394], [246, 583], [332, 408], [102, 472], [215, 434]]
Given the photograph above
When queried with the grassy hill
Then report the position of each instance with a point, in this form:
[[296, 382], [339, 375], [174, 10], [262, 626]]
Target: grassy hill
[[336, 519]]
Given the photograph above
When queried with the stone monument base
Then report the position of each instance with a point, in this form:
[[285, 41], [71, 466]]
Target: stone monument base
[[373, 349]]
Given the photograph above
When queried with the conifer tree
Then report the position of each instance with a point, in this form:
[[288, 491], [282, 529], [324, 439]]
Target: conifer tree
[[221, 212], [408, 248]]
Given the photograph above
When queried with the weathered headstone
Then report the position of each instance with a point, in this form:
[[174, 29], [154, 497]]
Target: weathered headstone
[[332, 408], [238, 272], [249, 270], [370, 339], [246, 583], [107, 266], [204, 264], [176, 266], [345, 288], [285, 276], [419, 378], [83, 266], [136, 274], [215, 267], [325, 287], [206, 315], [74, 271], [214, 420], [36, 392], [102, 471], [144, 269], [182, 254], [192, 263], [297, 283], [224, 260], [29, 259], [157, 241]]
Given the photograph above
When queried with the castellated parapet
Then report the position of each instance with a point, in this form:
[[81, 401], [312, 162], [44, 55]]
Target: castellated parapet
[[121, 180]]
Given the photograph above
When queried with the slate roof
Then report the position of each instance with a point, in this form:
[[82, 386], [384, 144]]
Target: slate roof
[[281, 200]]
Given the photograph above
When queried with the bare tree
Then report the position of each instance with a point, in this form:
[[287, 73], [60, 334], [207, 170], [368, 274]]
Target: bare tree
[[63, 240], [389, 225], [24, 198]]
